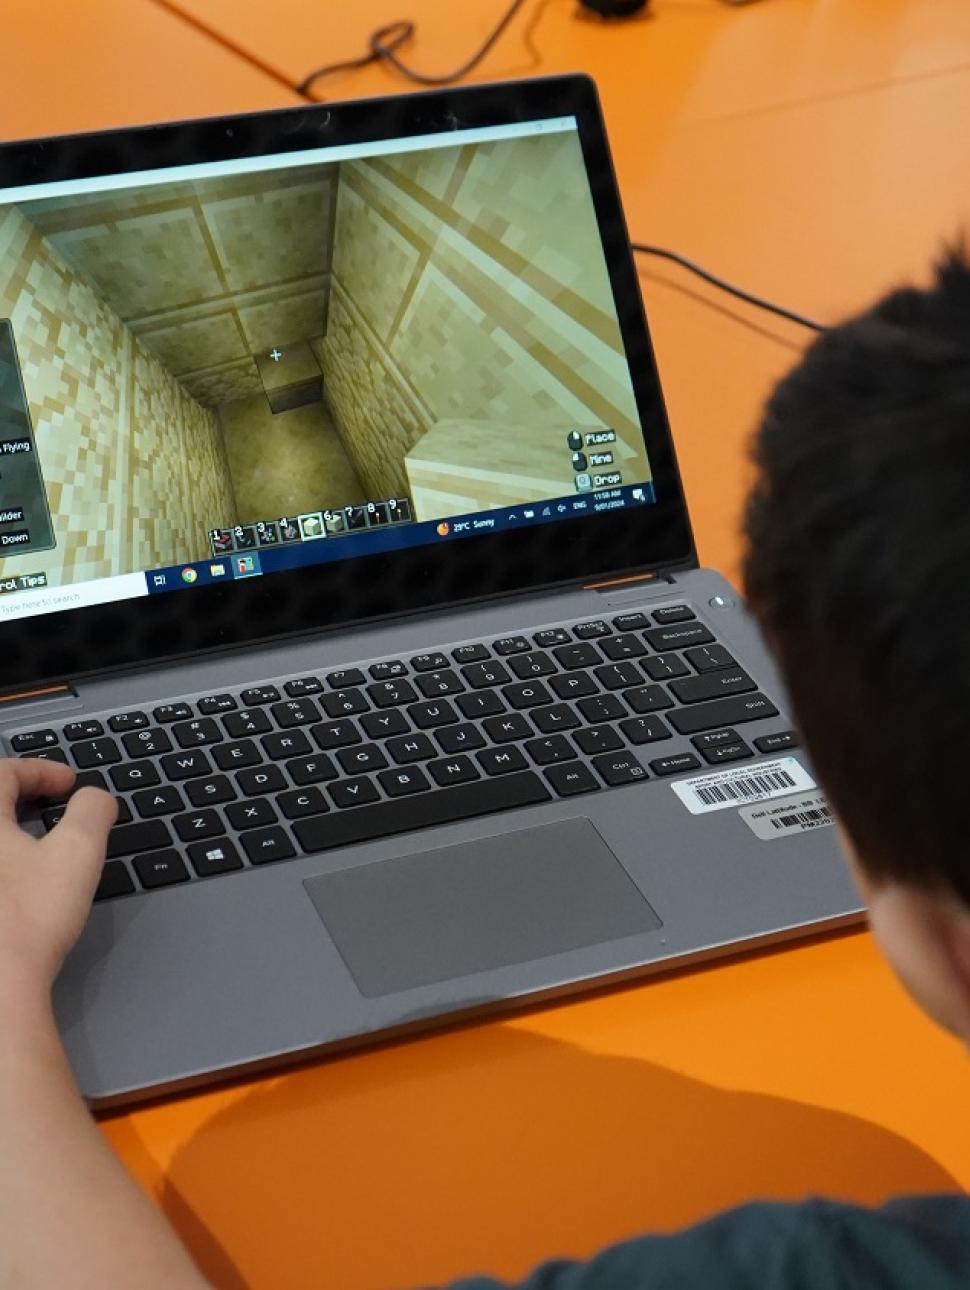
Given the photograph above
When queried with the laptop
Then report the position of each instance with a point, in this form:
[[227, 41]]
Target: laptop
[[341, 537]]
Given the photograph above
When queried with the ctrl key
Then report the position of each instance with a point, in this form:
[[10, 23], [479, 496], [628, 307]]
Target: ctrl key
[[115, 881], [160, 868]]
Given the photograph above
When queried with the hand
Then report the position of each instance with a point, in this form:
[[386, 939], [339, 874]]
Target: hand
[[46, 884]]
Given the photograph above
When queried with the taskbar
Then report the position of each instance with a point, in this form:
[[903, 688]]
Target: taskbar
[[326, 549]]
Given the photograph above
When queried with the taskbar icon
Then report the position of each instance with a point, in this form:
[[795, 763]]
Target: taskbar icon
[[246, 566]]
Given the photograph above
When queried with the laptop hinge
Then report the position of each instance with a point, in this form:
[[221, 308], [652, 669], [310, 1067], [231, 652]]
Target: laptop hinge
[[42, 694], [631, 580]]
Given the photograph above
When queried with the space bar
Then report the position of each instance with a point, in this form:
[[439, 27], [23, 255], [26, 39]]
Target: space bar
[[321, 832]]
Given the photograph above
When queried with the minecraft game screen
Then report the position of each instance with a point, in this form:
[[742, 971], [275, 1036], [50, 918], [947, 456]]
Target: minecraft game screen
[[194, 369]]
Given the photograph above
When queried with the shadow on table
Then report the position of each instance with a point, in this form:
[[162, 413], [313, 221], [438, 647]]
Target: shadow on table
[[490, 1148]]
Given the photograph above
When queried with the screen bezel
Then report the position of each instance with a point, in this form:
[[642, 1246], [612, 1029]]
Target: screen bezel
[[147, 630]]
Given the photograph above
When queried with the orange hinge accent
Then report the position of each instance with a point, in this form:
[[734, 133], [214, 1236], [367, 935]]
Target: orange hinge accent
[[619, 582], [35, 694]]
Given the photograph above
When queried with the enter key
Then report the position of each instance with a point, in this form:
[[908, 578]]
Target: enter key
[[712, 685]]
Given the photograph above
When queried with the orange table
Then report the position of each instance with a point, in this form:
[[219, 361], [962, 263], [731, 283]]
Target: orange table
[[812, 150]]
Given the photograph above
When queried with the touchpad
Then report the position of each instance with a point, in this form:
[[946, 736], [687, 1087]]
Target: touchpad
[[480, 905]]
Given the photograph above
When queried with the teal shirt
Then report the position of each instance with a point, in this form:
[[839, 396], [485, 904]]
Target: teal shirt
[[916, 1243]]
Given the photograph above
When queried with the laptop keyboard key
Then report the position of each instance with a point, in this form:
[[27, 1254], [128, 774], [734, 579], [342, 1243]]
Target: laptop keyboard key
[[360, 760], [484, 704], [186, 765], [400, 783], [426, 716], [434, 685], [383, 725], [616, 676], [115, 881], [574, 656], [160, 869], [721, 712], [387, 671], [552, 636], [708, 658], [470, 654], [297, 712], [258, 694], [209, 858], [311, 770], [602, 707], [254, 814], [550, 721], [122, 722], [420, 811], [727, 680], [537, 663], [95, 752], [34, 741], [236, 755], [293, 744], [461, 738], [453, 770], [571, 779], [589, 630], [410, 748], [630, 622], [391, 694], [336, 734], [727, 752], [345, 678], [619, 768], [343, 703], [679, 636], [661, 667], [146, 743], [83, 730], [263, 846], [173, 712], [777, 742], [194, 734], [302, 801], [598, 739], [526, 694], [574, 685], [505, 729], [648, 698], [261, 779], [48, 754], [429, 662], [715, 737], [215, 703], [481, 675], [555, 748], [645, 730], [249, 721], [303, 686], [198, 824], [621, 647], [673, 614], [210, 791], [146, 835], [676, 764], [500, 761], [157, 801], [354, 792], [510, 645], [139, 774]]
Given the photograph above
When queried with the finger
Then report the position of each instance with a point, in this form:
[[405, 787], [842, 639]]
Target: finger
[[30, 777], [82, 832]]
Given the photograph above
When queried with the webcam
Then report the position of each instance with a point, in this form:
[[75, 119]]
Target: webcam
[[614, 8]]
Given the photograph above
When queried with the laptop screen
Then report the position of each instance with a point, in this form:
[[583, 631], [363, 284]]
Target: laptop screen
[[232, 369]]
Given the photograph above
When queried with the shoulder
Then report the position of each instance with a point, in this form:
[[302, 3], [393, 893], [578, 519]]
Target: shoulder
[[915, 1241]]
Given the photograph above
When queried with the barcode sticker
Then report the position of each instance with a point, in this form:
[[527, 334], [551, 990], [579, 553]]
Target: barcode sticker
[[742, 785], [793, 815]]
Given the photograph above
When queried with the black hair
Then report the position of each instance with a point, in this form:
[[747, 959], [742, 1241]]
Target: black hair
[[857, 566]]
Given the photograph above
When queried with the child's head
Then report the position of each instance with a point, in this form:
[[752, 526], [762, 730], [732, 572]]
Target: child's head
[[857, 564]]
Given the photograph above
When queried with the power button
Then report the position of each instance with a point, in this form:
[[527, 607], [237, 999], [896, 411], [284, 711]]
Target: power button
[[722, 602]]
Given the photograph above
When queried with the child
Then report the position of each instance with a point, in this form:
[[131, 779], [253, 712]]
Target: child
[[858, 547]]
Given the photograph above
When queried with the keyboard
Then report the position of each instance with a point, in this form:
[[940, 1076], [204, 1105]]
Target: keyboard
[[216, 783]]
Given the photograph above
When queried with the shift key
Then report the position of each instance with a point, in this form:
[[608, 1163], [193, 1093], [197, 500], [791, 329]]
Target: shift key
[[146, 835], [721, 712]]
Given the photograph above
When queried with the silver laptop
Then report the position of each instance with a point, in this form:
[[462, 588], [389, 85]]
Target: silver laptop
[[341, 537]]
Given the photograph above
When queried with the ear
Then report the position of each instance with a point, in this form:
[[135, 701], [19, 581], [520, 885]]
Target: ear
[[926, 938]]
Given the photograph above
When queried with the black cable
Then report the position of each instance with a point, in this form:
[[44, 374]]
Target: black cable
[[720, 283], [385, 43]]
